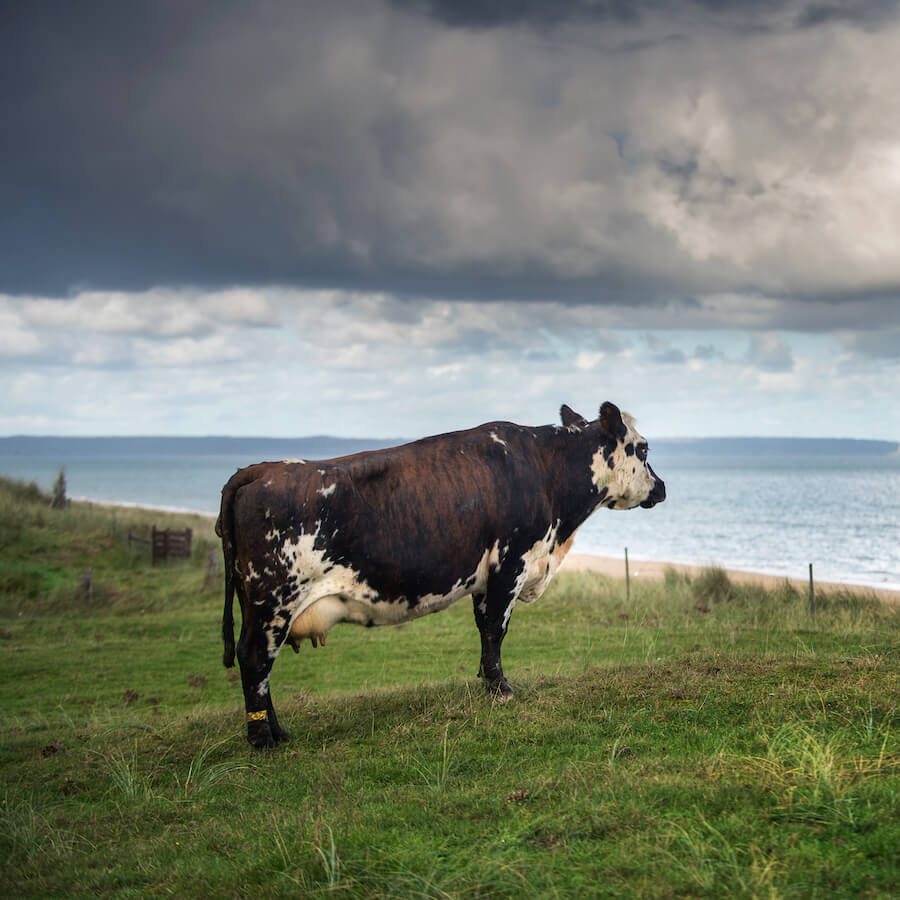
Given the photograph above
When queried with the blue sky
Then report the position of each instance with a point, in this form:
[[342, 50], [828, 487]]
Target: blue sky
[[396, 218]]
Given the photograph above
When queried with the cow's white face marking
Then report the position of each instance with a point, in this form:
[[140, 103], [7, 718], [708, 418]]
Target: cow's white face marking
[[629, 482]]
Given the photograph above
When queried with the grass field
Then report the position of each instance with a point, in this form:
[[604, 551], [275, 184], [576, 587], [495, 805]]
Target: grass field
[[705, 740]]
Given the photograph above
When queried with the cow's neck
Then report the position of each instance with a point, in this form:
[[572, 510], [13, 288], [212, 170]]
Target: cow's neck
[[568, 457]]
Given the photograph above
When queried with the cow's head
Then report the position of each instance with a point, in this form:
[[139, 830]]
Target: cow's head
[[620, 472]]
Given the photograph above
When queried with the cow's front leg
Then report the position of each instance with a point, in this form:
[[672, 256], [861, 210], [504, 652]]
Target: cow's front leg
[[256, 652], [492, 612]]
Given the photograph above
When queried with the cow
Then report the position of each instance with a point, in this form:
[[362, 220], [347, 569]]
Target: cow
[[385, 536]]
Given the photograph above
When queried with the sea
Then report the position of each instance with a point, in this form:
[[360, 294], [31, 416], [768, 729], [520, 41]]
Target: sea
[[760, 505]]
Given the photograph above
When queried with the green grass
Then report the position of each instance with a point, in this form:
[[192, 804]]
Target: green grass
[[708, 739]]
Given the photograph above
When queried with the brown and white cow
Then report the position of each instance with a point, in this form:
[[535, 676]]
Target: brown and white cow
[[386, 536]]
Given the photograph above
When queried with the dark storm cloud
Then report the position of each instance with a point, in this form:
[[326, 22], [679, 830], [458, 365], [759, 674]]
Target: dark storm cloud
[[163, 144], [746, 15], [884, 344], [419, 148], [865, 14], [535, 13]]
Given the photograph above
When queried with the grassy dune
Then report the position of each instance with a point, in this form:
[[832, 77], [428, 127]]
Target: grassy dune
[[707, 739]]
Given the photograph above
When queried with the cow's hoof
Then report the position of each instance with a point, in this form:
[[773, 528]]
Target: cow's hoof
[[261, 737], [281, 736], [501, 690]]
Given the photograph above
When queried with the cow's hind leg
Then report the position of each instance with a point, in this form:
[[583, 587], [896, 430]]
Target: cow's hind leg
[[278, 733], [256, 652], [492, 612]]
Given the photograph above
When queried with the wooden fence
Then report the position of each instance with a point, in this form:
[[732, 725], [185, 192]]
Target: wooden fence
[[165, 543]]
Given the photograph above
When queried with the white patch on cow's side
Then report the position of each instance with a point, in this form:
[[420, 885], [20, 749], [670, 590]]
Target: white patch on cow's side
[[321, 472], [331, 592], [539, 564], [507, 613], [295, 460], [327, 492], [278, 621], [465, 585], [493, 436]]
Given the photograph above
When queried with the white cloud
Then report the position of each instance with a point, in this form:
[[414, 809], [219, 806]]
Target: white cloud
[[769, 353], [241, 306], [451, 371], [188, 352], [585, 360], [27, 385], [17, 339], [372, 365], [27, 424], [17, 342], [162, 312]]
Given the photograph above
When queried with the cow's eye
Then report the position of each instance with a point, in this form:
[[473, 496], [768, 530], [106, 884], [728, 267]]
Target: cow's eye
[[642, 452]]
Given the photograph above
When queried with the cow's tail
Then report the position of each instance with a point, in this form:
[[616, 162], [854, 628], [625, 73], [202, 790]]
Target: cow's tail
[[225, 530]]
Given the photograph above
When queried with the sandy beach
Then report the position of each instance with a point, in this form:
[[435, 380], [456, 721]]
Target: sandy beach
[[615, 568]]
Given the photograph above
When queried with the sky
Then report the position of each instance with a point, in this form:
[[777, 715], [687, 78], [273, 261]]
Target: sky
[[379, 219]]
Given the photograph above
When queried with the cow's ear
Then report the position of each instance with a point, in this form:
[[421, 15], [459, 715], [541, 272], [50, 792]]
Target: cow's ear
[[611, 420], [570, 417]]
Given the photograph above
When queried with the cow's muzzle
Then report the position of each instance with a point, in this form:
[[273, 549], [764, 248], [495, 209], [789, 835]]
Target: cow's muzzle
[[657, 494]]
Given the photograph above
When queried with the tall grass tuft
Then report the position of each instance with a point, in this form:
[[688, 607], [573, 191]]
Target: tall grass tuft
[[126, 777], [437, 775], [202, 774], [717, 863], [26, 834], [330, 860]]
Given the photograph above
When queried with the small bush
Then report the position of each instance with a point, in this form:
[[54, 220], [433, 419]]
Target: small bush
[[713, 586], [59, 499], [674, 579], [20, 492]]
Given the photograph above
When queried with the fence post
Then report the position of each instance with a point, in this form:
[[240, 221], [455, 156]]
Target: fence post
[[87, 585], [812, 594], [627, 579], [212, 568]]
